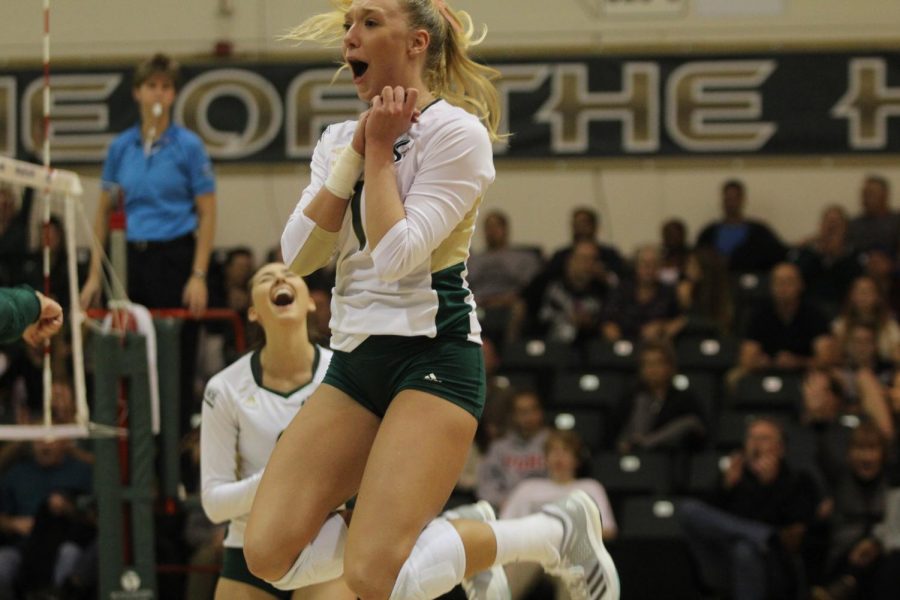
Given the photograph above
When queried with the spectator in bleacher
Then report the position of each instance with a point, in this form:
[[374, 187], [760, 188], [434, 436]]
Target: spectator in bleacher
[[860, 352], [229, 288], [572, 304], [858, 488], [517, 455], [14, 221], [881, 266], [675, 250], [238, 269], [828, 262], [782, 331], [643, 307], [565, 454], [43, 531], [499, 275], [610, 268], [656, 415], [825, 401], [877, 226], [586, 228], [704, 294], [865, 305], [746, 244], [747, 542]]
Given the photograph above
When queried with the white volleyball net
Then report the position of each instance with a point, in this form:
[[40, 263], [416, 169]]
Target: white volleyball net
[[63, 189]]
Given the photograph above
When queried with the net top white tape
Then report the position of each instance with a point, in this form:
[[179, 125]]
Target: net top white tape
[[36, 176], [58, 432]]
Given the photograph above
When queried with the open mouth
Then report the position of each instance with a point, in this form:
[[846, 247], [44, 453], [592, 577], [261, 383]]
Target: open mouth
[[358, 67], [282, 296]]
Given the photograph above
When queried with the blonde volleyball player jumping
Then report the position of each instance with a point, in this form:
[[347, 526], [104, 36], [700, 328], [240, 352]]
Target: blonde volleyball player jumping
[[395, 195], [245, 409]]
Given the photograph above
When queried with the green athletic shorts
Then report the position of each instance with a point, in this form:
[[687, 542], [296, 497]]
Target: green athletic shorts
[[234, 567], [384, 365]]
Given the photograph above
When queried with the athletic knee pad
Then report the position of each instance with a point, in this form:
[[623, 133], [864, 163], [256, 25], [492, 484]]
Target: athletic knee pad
[[322, 560], [436, 564]]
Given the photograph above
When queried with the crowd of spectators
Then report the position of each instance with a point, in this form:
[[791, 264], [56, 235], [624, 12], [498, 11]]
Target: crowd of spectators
[[762, 374]]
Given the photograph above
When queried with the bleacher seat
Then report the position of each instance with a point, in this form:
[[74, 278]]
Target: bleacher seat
[[649, 517], [538, 358], [705, 471], [587, 388], [603, 355], [775, 391], [518, 380], [494, 321], [634, 473], [705, 388], [535, 353], [706, 353], [586, 422]]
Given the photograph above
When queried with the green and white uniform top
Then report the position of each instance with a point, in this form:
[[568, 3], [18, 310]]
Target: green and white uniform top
[[414, 282], [241, 423]]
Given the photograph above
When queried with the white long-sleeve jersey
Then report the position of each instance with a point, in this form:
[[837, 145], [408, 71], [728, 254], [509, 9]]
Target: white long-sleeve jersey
[[241, 423], [414, 281]]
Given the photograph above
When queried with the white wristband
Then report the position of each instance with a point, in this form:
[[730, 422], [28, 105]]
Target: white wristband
[[345, 173]]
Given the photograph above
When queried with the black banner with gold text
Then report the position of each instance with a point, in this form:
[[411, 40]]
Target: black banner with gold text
[[599, 106]]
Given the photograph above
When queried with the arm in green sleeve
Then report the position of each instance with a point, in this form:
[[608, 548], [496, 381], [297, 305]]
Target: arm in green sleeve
[[19, 308]]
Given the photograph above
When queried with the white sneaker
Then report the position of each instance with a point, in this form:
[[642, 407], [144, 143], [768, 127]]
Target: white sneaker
[[490, 584], [584, 564]]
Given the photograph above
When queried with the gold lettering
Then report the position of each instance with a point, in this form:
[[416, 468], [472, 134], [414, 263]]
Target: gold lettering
[[259, 98], [868, 104], [516, 79], [572, 107], [705, 111], [314, 102], [79, 115]]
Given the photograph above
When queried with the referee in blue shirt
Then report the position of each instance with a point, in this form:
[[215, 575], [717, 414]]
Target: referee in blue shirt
[[166, 178]]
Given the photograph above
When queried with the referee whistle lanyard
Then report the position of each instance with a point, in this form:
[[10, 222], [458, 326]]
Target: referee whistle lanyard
[[151, 133]]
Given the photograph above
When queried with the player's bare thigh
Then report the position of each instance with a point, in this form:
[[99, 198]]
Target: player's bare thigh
[[414, 464], [317, 465]]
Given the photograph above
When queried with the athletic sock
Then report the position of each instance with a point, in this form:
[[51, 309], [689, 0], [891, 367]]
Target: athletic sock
[[535, 538]]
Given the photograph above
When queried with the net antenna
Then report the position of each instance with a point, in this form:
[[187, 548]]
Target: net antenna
[[67, 185]]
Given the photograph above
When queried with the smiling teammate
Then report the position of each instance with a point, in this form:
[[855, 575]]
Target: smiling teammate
[[245, 409]]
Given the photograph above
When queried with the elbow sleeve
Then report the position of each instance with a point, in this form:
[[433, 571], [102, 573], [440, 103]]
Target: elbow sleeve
[[313, 252]]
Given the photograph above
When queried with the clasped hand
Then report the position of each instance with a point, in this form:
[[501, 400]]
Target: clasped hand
[[390, 116]]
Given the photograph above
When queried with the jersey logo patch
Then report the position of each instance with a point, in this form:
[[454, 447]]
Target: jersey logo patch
[[251, 402], [209, 397], [401, 147], [432, 378]]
